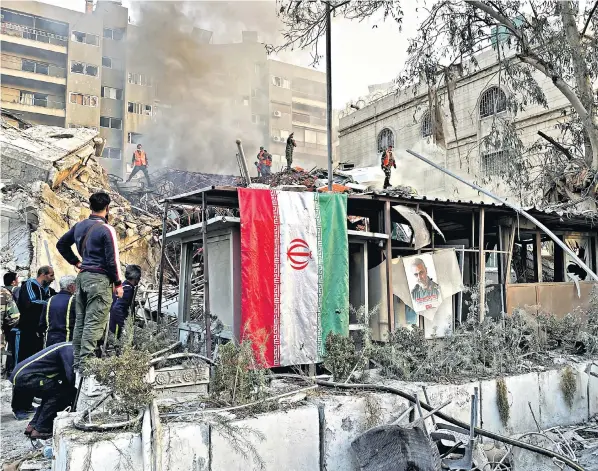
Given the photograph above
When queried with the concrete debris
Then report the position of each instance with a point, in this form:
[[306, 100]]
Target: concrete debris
[[48, 176]]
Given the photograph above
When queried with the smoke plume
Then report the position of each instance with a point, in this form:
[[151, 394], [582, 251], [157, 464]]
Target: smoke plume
[[198, 120]]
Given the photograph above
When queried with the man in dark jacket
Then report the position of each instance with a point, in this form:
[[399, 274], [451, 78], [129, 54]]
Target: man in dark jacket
[[33, 298], [288, 153], [99, 273], [58, 320], [49, 375], [121, 307]]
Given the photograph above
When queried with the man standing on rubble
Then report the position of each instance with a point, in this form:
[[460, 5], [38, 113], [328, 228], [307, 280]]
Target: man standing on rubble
[[266, 163], [33, 299], [258, 164], [387, 161], [58, 320], [121, 307], [99, 275], [140, 163], [10, 318], [291, 144]]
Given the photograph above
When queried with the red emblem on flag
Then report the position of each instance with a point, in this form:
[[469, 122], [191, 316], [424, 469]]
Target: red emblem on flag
[[299, 254]]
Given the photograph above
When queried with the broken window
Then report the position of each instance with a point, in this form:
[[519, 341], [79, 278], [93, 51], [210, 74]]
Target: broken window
[[281, 82], [91, 70], [111, 153], [134, 138], [108, 122], [113, 93], [83, 68], [138, 79], [148, 110], [492, 101], [106, 62], [85, 38], [86, 100]]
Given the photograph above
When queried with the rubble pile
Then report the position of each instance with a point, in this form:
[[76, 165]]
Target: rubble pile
[[48, 176]]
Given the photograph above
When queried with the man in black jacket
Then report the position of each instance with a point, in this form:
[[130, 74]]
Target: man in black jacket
[[100, 274], [58, 320], [121, 307], [33, 298], [49, 375]]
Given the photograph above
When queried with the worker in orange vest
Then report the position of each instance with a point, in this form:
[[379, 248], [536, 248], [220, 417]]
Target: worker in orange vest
[[388, 161], [266, 163], [140, 162]]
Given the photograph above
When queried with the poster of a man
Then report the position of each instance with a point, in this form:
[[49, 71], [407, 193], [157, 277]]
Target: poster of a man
[[425, 292]]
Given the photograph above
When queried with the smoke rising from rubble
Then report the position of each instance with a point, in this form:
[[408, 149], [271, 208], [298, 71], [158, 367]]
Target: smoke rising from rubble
[[197, 128]]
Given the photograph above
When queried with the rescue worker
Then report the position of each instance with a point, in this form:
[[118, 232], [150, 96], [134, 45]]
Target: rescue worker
[[33, 298], [266, 164], [387, 161], [58, 321], [99, 275], [258, 164], [10, 318], [121, 307], [140, 163], [291, 144], [48, 375]]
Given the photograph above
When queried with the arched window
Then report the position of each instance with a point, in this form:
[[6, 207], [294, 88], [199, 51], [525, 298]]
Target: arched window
[[385, 138], [426, 124], [492, 101]]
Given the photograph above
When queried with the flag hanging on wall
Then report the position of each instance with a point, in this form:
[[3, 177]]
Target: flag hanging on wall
[[294, 273]]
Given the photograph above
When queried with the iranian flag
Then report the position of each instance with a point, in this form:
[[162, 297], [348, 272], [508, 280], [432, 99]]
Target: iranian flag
[[294, 273]]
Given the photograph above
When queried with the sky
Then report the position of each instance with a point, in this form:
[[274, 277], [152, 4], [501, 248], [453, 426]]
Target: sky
[[361, 55]]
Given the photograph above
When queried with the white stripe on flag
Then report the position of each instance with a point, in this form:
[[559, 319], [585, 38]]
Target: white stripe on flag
[[299, 278]]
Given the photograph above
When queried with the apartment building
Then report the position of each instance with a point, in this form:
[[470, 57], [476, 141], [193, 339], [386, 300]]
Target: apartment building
[[66, 68]]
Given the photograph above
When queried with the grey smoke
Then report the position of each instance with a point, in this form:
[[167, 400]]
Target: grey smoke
[[198, 129]]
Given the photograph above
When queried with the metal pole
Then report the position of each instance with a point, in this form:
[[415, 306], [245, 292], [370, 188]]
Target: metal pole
[[329, 91], [206, 277], [162, 257], [515, 208]]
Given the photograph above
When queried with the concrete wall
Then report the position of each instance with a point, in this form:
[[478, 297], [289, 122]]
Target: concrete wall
[[318, 435]]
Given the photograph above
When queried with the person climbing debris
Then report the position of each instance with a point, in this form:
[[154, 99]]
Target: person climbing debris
[[140, 163], [388, 162]]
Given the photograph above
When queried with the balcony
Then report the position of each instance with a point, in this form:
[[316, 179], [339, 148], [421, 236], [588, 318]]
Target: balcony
[[32, 102], [305, 120], [16, 66], [27, 36]]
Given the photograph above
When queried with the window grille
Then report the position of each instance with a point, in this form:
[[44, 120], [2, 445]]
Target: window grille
[[494, 163], [385, 138], [426, 125], [493, 101]]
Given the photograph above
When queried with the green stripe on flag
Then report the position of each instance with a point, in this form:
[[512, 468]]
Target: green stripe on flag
[[334, 314]]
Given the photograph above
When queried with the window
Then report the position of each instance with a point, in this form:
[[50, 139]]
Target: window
[[76, 126], [82, 68], [85, 100], [116, 34], [281, 82], [385, 138], [492, 101], [494, 163], [258, 119], [139, 79], [134, 138], [85, 38], [245, 101], [107, 122], [35, 67], [111, 153], [111, 63], [139, 108], [426, 126], [114, 93]]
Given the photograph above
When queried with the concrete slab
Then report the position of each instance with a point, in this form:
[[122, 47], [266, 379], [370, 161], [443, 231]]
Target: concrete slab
[[458, 394], [554, 410], [186, 447], [522, 389], [291, 442]]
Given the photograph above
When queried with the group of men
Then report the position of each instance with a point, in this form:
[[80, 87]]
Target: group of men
[[51, 335], [264, 159]]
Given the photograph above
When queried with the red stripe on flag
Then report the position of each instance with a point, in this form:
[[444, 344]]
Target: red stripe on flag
[[257, 273]]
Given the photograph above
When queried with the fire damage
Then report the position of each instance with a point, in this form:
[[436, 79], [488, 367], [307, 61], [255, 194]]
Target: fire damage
[[434, 319]]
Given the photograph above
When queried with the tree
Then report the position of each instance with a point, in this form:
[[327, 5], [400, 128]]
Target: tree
[[532, 39]]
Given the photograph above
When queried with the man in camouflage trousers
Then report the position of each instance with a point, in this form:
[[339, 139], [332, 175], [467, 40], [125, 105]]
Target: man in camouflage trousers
[[387, 162], [10, 318]]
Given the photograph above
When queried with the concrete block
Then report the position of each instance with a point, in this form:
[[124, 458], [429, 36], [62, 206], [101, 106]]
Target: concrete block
[[458, 394], [186, 446], [554, 410], [291, 442], [347, 417], [522, 389], [75, 450]]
